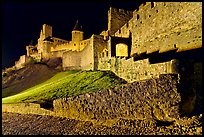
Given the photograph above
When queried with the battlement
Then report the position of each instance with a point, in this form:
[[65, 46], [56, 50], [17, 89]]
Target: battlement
[[117, 10], [46, 25], [117, 18], [46, 31]]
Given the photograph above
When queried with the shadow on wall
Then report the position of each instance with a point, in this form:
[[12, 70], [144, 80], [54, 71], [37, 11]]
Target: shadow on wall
[[190, 70]]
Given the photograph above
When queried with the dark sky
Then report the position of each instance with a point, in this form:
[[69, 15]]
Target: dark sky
[[22, 22]]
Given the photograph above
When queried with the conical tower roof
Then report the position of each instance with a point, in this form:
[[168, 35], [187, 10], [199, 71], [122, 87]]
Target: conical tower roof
[[77, 27]]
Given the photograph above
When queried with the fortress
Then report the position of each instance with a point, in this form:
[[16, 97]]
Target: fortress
[[155, 39], [158, 41]]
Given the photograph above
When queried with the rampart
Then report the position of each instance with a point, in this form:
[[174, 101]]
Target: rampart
[[131, 70], [99, 45], [164, 26], [21, 62], [87, 59], [71, 60], [117, 18]]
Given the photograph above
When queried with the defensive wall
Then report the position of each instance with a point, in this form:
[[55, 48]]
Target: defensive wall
[[164, 26], [21, 62], [117, 18], [166, 37], [87, 59], [131, 70]]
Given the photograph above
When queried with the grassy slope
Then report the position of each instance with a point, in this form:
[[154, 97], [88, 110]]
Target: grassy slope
[[64, 84]]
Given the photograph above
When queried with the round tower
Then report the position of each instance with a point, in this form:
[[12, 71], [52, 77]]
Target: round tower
[[77, 33]]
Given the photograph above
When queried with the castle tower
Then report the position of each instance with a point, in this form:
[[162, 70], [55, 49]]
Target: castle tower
[[117, 18], [46, 31], [77, 33]]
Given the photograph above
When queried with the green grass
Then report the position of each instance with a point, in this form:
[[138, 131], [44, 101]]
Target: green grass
[[64, 84]]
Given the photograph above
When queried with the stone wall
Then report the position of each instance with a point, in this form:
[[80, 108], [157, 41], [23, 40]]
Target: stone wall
[[117, 18], [71, 60], [99, 46], [80, 59], [131, 70], [26, 108], [87, 60], [56, 54], [21, 62], [163, 26], [153, 99], [64, 46]]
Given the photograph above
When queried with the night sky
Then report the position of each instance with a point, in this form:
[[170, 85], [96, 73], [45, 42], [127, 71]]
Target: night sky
[[22, 22]]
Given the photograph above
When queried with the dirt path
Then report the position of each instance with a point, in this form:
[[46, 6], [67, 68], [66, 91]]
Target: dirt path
[[29, 124]]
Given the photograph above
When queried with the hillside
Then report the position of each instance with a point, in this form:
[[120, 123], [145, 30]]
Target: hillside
[[25, 78], [65, 84], [16, 80]]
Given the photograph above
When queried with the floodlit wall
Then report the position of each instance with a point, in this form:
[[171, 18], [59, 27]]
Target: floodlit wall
[[131, 70], [164, 26], [117, 18]]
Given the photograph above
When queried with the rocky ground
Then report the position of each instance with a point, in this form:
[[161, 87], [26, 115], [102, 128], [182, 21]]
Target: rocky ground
[[30, 124]]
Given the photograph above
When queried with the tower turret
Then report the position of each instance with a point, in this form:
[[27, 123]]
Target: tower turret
[[77, 33], [46, 31]]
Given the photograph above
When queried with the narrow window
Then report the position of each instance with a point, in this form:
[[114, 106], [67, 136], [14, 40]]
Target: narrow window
[[127, 25], [102, 54], [138, 16], [107, 53], [119, 31]]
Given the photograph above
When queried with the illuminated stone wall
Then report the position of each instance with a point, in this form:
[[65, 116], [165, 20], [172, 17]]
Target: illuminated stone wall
[[86, 59], [71, 60], [131, 70], [117, 18], [164, 26], [21, 62]]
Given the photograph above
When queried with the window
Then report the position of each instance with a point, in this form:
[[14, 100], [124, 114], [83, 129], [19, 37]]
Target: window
[[127, 25], [102, 54], [119, 31], [107, 53], [74, 44], [138, 16]]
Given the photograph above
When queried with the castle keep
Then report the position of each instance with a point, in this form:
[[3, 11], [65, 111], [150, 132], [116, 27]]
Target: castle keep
[[157, 38]]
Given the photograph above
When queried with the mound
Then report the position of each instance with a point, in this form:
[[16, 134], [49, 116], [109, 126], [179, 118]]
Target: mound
[[25, 78], [65, 84]]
